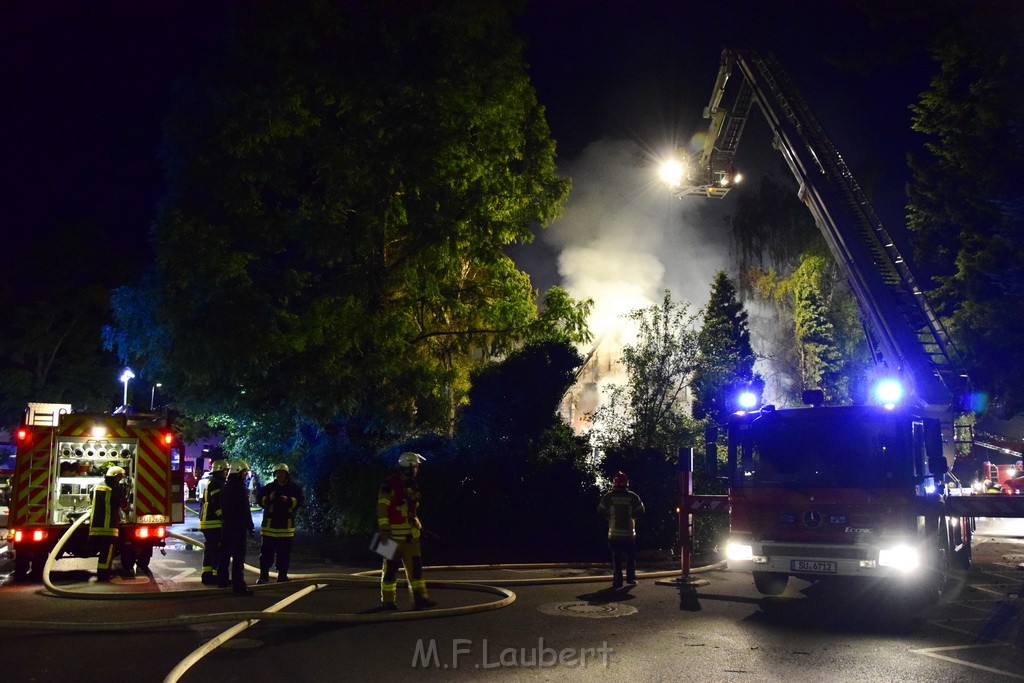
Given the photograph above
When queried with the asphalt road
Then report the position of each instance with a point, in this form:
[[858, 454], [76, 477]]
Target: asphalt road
[[552, 632]]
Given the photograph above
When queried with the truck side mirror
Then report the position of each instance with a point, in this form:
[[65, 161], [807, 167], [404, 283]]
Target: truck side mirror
[[711, 452]]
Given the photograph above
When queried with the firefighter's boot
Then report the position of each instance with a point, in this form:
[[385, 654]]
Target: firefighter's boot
[[422, 601], [264, 577]]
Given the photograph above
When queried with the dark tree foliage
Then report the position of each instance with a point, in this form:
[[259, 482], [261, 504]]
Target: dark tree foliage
[[56, 300], [771, 227], [726, 360], [342, 182], [965, 205], [517, 399]]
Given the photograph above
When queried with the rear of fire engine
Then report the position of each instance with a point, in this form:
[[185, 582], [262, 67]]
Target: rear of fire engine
[[840, 492], [63, 455]]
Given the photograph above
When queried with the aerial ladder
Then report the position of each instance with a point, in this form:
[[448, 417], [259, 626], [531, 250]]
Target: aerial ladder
[[905, 336]]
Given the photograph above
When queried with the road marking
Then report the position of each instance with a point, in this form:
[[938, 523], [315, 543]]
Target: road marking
[[936, 653], [211, 645]]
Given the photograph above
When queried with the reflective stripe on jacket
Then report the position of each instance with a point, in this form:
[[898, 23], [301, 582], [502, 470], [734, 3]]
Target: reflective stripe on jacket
[[212, 513], [279, 514], [397, 507], [106, 511], [621, 507]]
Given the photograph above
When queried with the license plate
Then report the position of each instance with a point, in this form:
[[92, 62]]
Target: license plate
[[813, 566]]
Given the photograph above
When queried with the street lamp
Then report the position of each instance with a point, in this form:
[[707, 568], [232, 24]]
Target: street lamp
[[125, 377], [152, 396]]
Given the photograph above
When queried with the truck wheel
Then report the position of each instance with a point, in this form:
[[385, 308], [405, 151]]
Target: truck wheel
[[769, 583], [962, 557], [144, 556], [21, 567]]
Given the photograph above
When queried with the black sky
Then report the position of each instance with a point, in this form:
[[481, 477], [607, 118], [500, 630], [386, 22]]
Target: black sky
[[86, 84]]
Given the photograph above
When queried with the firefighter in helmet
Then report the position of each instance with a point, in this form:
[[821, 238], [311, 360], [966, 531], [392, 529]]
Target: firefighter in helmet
[[621, 507], [108, 502], [279, 500], [397, 508], [236, 526], [210, 515]]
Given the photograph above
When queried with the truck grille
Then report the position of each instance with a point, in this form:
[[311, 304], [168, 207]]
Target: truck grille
[[817, 551]]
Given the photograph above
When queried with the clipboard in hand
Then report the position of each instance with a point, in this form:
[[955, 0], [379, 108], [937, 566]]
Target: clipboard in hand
[[385, 547]]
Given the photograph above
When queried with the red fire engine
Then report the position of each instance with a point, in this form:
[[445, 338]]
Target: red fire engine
[[840, 491], [62, 455]]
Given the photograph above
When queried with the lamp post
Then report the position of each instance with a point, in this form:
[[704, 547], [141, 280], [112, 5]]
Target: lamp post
[[152, 396], [125, 377]]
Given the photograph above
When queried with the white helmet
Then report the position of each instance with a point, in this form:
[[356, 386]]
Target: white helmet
[[410, 459], [115, 471]]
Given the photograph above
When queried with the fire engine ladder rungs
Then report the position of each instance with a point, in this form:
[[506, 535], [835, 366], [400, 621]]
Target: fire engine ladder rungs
[[905, 296], [729, 138]]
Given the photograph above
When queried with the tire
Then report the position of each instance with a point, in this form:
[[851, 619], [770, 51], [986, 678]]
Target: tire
[[21, 567], [962, 557], [770, 583], [143, 557]]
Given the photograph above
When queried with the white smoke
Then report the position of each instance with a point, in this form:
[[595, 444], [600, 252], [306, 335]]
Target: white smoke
[[624, 239]]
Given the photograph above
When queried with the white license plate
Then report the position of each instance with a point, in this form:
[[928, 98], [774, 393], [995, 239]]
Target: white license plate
[[813, 566]]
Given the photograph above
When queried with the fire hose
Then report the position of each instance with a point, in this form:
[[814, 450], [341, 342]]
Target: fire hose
[[319, 581]]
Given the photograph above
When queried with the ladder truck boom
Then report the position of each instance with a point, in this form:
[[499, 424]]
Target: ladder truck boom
[[906, 337], [846, 493]]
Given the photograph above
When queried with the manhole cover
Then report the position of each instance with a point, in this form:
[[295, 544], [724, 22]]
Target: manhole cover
[[587, 610]]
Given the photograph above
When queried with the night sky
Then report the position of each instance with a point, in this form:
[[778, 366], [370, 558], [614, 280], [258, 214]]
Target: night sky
[[86, 84]]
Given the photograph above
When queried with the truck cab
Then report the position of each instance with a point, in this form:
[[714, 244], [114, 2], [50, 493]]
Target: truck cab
[[838, 491]]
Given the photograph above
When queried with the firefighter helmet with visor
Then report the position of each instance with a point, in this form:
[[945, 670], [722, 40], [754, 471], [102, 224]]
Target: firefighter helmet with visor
[[410, 459]]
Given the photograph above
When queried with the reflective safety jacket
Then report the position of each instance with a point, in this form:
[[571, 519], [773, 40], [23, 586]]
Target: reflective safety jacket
[[107, 503], [397, 507], [279, 514], [621, 507], [212, 512]]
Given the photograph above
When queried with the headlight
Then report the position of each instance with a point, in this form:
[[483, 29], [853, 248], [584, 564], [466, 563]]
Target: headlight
[[902, 557], [739, 552]]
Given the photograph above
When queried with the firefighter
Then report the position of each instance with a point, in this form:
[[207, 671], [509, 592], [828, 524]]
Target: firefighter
[[397, 507], [236, 526], [210, 516], [621, 507], [279, 500], [992, 486], [108, 501]]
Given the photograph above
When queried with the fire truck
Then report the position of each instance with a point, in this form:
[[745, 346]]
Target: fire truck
[[838, 492], [62, 455]]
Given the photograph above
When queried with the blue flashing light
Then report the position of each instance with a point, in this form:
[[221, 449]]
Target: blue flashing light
[[747, 400], [889, 392]]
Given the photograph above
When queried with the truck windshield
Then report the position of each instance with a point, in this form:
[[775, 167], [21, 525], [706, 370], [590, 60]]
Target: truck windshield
[[798, 449]]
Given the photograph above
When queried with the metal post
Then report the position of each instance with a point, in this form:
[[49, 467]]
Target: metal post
[[685, 518]]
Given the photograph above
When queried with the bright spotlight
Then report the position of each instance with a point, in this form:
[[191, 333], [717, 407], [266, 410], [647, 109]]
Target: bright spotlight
[[671, 173], [889, 392], [747, 400]]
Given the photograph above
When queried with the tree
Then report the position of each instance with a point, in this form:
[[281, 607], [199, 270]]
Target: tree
[[726, 360], [825, 347], [965, 206], [514, 401], [650, 412], [646, 421], [341, 188], [55, 304]]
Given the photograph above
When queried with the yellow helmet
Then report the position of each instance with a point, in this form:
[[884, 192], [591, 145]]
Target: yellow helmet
[[115, 471], [219, 465], [239, 466], [281, 467]]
